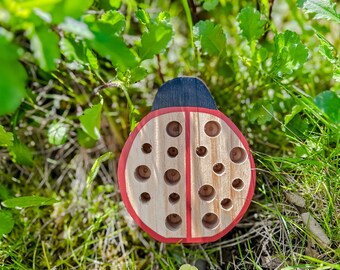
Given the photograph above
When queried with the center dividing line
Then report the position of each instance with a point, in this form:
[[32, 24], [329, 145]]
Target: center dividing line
[[188, 175]]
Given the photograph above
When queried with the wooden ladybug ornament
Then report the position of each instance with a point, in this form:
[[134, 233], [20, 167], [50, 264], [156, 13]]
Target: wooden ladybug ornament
[[186, 173]]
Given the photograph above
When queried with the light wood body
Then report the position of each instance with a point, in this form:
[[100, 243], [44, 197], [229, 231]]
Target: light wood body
[[148, 199]]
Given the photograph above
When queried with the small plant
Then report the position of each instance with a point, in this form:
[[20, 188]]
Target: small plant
[[8, 207]]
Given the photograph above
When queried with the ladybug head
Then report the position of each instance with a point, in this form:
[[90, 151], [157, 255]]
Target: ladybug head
[[184, 92]]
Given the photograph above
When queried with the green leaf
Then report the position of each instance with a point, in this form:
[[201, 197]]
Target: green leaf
[[294, 111], [143, 16], [68, 49], [262, 112], [6, 138], [77, 50], [251, 24], [155, 40], [323, 9], [163, 17], [301, 151], [42, 15], [137, 74], [85, 140], [289, 53], [6, 221], [210, 4], [4, 193], [187, 267], [92, 59], [80, 29], [115, 19], [13, 79], [336, 73], [327, 49], [21, 154], [329, 103], [67, 8], [210, 38], [297, 127], [108, 45], [262, 55], [44, 44], [133, 75], [115, 3], [96, 165], [90, 120], [45, 5], [57, 133], [294, 124], [28, 201]]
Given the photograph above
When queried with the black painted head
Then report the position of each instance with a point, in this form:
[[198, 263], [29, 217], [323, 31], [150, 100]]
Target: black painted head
[[184, 92]]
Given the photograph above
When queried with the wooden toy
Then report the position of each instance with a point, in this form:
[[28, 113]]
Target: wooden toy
[[186, 173]]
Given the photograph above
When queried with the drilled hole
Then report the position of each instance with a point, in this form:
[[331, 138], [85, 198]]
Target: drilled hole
[[174, 197], [172, 176], [206, 192], [172, 151], [238, 184], [212, 128], [227, 204], [142, 172], [201, 151], [146, 148], [145, 197], [219, 168], [174, 129], [238, 155], [210, 220], [173, 222]]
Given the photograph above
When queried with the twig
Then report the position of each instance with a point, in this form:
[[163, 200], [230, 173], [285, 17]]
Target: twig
[[271, 4], [113, 127], [193, 11], [159, 70], [100, 88], [112, 124]]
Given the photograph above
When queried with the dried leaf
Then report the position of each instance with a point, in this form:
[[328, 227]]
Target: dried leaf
[[271, 262], [314, 227], [295, 199], [310, 251]]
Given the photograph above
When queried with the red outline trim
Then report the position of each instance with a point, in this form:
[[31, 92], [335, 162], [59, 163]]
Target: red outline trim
[[122, 182]]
